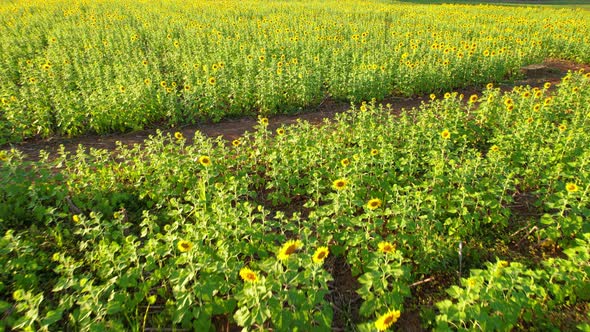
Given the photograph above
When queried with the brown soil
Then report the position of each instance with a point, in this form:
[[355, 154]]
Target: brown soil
[[535, 75]]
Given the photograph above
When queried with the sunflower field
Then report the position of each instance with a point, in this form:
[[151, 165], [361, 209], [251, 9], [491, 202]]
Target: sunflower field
[[489, 193], [74, 67], [470, 212]]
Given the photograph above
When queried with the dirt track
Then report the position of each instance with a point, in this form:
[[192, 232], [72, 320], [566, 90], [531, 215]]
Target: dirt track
[[535, 75]]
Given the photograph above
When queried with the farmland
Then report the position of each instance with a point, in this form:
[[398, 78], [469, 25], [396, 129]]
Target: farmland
[[469, 212], [70, 68]]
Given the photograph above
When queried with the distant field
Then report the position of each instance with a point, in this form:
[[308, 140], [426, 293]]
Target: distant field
[[555, 3]]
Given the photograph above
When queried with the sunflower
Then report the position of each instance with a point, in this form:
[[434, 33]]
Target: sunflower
[[212, 80], [32, 80], [537, 107], [76, 218], [263, 121], [205, 161], [490, 86], [432, 96], [526, 94], [374, 203], [548, 101], [184, 246], [145, 62], [374, 152], [235, 142], [280, 131], [345, 162], [163, 84], [494, 148], [473, 99], [122, 89], [510, 107], [547, 85], [248, 275], [289, 248], [386, 247], [147, 81], [445, 134], [386, 320], [571, 187], [178, 135], [320, 254], [339, 184], [562, 127]]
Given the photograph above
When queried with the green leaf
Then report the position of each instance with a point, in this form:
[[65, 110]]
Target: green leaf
[[52, 317], [4, 306], [114, 307], [243, 316]]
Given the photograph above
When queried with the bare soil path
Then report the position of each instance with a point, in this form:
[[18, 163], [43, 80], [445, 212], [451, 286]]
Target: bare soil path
[[535, 75]]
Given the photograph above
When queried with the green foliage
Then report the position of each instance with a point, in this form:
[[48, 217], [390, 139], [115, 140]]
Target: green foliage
[[159, 235], [506, 295]]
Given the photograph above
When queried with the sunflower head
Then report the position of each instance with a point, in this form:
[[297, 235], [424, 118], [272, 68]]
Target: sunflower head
[[374, 203], [280, 131], [248, 275], [386, 247], [184, 245], [289, 248], [345, 162], [339, 184], [236, 142], [205, 161], [571, 187], [386, 320], [445, 134], [263, 121], [320, 254], [473, 99], [374, 152]]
